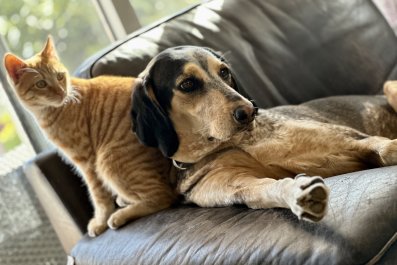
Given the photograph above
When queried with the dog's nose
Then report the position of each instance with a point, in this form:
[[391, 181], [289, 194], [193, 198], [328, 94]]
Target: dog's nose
[[244, 114]]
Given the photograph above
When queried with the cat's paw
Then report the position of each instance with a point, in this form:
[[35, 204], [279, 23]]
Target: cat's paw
[[309, 198], [121, 202], [96, 227], [117, 219]]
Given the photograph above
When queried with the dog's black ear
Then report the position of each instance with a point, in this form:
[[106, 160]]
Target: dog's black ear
[[216, 54], [150, 121]]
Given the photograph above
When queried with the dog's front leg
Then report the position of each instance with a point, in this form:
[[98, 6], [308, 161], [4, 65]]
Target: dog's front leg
[[236, 180], [307, 197]]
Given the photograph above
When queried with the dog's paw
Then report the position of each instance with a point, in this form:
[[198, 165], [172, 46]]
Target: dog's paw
[[309, 198], [96, 227]]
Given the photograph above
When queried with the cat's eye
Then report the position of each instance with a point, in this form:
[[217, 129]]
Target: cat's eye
[[189, 85], [41, 84], [224, 73], [60, 76]]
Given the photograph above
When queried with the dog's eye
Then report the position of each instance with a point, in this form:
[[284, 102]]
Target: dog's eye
[[224, 73], [188, 85], [41, 84]]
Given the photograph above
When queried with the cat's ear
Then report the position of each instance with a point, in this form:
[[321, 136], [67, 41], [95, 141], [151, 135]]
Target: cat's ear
[[49, 50], [14, 65], [150, 122]]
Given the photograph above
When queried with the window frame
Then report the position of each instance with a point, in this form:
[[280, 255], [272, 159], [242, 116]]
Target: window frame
[[118, 17], [35, 137]]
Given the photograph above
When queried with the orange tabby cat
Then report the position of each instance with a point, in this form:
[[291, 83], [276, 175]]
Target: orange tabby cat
[[89, 120]]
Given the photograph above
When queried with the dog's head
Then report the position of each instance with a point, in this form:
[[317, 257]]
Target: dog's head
[[186, 103]]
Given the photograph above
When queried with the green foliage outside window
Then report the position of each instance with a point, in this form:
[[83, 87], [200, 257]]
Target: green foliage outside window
[[8, 135], [74, 24]]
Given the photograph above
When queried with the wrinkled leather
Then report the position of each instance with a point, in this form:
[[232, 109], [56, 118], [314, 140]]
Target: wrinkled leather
[[282, 52], [361, 218]]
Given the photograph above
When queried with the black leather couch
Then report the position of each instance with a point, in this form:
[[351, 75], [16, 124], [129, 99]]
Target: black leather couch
[[283, 52]]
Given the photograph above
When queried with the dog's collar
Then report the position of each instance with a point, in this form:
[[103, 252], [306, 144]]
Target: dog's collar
[[178, 165]]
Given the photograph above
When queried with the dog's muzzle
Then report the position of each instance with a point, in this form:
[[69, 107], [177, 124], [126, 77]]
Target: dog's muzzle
[[245, 114]]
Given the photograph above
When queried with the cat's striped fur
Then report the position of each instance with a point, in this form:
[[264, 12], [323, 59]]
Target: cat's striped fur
[[89, 120]]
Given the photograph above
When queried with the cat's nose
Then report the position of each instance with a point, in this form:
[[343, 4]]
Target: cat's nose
[[62, 92]]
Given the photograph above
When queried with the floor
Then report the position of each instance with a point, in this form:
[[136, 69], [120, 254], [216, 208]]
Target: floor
[[26, 236]]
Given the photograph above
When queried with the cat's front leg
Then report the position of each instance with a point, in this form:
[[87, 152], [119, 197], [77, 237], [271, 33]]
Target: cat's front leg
[[121, 202], [98, 224], [139, 201], [102, 201]]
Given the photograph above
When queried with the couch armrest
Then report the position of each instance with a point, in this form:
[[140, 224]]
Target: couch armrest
[[62, 195], [360, 228]]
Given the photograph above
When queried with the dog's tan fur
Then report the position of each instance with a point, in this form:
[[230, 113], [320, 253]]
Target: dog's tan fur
[[253, 163], [253, 172], [195, 121]]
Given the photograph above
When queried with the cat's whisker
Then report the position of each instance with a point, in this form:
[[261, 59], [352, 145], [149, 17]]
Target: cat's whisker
[[73, 96]]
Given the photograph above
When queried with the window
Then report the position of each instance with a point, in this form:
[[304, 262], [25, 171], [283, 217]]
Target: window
[[24, 26], [74, 24], [149, 11], [125, 16], [9, 138], [389, 10]]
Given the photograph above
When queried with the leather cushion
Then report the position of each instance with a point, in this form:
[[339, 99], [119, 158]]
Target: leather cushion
[[362, 217], [282, 51]]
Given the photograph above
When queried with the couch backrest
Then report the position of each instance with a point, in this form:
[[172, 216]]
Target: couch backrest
[[282, 51]]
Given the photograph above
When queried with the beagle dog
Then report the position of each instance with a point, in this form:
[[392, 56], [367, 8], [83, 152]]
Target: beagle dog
[[187, 104]]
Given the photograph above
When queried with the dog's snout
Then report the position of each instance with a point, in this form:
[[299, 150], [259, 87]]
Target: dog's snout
[[244, 114]]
